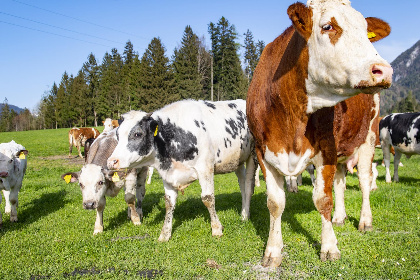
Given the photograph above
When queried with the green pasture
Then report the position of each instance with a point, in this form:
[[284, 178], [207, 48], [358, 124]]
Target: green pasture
[[53, 237]]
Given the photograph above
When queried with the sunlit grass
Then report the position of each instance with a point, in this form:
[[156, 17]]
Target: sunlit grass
[[53, 238]]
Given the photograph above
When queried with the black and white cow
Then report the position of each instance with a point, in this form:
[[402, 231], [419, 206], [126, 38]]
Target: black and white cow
[[187, 141], [12, 170], [401, 131], [96, 181]]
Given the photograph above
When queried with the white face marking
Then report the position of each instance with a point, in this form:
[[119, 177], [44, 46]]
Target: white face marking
[[335, 69], [92, 182], [288, 164]]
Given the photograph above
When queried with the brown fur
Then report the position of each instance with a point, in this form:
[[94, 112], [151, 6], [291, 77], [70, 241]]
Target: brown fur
[[379, 27], [78, 137]]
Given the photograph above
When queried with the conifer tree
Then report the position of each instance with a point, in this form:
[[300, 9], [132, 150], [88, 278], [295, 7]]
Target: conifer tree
[[250, 55], [229, 79], [62, 102], [129, 80], [186, 66], [91, 72], [157, 80]]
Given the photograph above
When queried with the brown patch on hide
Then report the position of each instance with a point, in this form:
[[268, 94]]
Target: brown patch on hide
[[380, 28], [335, 33]]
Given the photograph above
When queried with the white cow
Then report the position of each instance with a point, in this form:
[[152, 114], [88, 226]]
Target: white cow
[[12, 170], [96, 181], [187, 141]]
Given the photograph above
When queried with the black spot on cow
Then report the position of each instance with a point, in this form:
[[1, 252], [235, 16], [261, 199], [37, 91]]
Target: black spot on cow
[[173, 142], [227, 140], [140, 138], [197, 123], [202, 125], [232, 105], [209, 104], [218, 152]]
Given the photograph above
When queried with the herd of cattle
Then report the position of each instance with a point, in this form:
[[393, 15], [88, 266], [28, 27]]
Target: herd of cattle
[[313, 101]]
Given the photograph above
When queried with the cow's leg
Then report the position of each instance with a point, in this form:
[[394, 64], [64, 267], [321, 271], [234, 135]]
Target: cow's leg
[[374, 186], [397, 158], [14, 202], [339, 188], [322, 197], [99, 223], [130, 196], [241, 174], [7, 207], [276, 201], [171, 195], [387, 159], [364, 166], [291, 182], [206, 180], [257, 175], [249, 186], [141, 189], [79, 149], [149, 175], [311, 170]]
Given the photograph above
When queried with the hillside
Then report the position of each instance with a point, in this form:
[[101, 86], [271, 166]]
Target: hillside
[[12, 107], [406, 78]]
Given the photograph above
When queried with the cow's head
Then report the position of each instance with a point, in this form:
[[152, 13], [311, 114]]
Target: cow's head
[[135, 141], [107, 125], [342, 60], [11, 161], [93, 181]]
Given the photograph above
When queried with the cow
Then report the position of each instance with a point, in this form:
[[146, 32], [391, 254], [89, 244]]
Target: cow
[[187, 141], [109, 124], [400, 131], [96, 182], [325, 57], [88, 144], [13, 163], [78, 137]]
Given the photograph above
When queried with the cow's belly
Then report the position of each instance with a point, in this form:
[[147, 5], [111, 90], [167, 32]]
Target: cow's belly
[[410, 149], [180, 175], [288, 164]]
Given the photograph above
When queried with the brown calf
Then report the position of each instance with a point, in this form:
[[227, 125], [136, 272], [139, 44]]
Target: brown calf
[[78, 137]]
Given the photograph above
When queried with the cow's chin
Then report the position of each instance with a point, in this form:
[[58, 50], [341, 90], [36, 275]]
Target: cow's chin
[[364, 87]]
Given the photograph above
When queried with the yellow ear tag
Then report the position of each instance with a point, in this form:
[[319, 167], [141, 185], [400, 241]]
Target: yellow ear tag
[[371, 35], [354, 169], [22, 155], [67, 178], [156, 131], [115, 177]]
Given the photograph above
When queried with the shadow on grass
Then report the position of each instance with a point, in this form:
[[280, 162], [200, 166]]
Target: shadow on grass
[[46, 204]]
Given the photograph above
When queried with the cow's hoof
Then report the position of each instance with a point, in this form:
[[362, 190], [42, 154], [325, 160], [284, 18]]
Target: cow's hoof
[[363, 227], [330, 256], [338, 223], [217, 232], [271, 262], [13, 219], [7, 210], [136, 221], [98, 230], [245, 215], [164, 238]]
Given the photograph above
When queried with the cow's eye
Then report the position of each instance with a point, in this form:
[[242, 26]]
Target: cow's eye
[[327, 27], [137, 134], [101, 183], [10, 161]]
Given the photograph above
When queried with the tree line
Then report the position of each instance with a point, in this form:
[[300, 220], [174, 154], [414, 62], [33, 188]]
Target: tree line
[[128, 81]]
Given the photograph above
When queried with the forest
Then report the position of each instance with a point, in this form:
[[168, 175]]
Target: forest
[[130, 81]]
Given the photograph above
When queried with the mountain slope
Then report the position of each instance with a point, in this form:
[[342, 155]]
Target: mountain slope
[[406, 78]]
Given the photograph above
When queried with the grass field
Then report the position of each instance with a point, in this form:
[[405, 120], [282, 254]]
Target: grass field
[[53, 237]]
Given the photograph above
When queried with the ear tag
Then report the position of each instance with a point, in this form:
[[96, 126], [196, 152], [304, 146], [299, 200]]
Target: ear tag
[[156, 131], [371, 35], [115, 177], [22, 155], [354, 169], [67, 178]]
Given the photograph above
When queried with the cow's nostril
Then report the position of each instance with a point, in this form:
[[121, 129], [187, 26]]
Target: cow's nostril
[[376, 70], [89, 205]]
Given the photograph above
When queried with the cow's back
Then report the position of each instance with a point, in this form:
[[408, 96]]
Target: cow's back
[[403, 128], [214, 130]]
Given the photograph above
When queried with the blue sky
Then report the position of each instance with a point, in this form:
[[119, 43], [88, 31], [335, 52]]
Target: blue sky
[[41, 39]]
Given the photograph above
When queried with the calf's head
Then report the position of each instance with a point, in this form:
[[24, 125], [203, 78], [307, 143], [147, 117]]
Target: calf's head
[[93, 181], [342, 61], [135, 141], [11, 162]]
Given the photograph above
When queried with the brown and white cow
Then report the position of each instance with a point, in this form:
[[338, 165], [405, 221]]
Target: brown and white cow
[[324, 58], [78, 137], [109, 124]]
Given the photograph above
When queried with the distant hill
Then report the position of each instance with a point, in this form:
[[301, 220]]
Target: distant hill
[[406, 78], [11, 107]]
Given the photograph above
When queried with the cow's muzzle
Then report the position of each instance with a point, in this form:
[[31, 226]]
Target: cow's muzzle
[[90, 205], [113, 164], [381, 78], [4, 174]]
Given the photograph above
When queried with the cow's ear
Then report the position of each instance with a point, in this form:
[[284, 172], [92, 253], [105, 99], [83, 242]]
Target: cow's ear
[[377, 29], [70, 177], [154, 127], [301, 17], [22, 154]]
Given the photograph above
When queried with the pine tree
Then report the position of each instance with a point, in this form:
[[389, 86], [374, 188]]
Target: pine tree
[[260, 48], [62, 102], [91, 71], [229, 79], [5, 117], [186, 67], [157, 82], [129, 80], [250, 56]]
